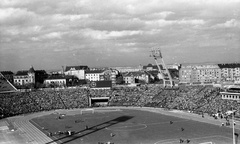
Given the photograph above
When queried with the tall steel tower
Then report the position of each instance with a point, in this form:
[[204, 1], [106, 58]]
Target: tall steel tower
[[163, 70]]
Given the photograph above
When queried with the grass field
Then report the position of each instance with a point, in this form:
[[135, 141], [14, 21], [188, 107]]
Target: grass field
[[130, 126]]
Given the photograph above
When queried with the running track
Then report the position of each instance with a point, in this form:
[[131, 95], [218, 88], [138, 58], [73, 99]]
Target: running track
[[28, 131]]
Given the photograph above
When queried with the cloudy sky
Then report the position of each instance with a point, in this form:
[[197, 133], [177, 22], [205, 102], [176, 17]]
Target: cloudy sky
[[49, 34]]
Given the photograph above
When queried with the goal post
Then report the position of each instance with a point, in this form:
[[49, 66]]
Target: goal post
[[87, 111]]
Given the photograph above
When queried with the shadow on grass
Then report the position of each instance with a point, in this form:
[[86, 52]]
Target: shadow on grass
[[91, 130]]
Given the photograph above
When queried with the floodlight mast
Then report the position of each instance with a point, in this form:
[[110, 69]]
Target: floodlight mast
[[157, 55]]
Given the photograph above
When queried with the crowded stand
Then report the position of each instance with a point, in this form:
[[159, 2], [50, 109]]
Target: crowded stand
[[196, 99]]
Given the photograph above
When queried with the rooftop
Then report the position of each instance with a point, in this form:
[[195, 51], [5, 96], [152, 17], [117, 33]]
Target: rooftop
[[6, 72], [22, 73], [138, 73], [76, 68], [59, 76], [232, 65], [94, 71]]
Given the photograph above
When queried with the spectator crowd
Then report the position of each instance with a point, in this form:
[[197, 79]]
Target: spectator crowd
[[197, 99]]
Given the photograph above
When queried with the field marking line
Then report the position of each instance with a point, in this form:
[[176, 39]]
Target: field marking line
[[95, 117], [166, 122], [110, 109], [127, 126], [169, 140]]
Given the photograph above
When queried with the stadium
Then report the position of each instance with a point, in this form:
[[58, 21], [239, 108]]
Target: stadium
[[147, 114]]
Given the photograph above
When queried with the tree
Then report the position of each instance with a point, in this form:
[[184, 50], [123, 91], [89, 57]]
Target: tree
[[119, 79]]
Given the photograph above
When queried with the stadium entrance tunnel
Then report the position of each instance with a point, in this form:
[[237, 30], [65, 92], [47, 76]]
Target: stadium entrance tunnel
[[98, 101]]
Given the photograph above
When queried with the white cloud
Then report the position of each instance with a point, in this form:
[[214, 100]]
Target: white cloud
[[35, 39], [127, 50], [12, 31], [191, 22], [153, 31], [131, 9], [126, 44], [15, 15], [53, 35], [18, 30], [96, 34], [115, 24], [160, 23], [37, 28], [12, 2], [60, 17], [122, 33], [233, 23], [163, 22], [159, 15]]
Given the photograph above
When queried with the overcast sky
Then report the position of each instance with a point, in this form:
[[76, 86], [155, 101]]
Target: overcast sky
[[49, 34]]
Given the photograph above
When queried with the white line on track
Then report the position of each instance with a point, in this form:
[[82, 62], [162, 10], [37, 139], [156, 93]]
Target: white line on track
[[55, 138]]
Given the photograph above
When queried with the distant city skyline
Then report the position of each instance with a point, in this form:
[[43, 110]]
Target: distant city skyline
[[49, 34]]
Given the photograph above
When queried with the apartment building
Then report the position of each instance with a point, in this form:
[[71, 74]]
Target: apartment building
[[29, 76], [230, 72], [24, 77], [136, 77], [200, 73], [78, 71], [95, 75]]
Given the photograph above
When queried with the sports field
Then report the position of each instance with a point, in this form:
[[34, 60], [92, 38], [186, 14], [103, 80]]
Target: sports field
[[129, 126]]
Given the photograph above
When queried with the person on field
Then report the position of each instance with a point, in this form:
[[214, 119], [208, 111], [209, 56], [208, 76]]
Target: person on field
[[112, 135], [181, 140]]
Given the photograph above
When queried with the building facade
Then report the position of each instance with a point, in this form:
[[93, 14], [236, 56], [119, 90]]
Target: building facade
[[30, 77], [61, 81], [136, 77], [230, 72], [127, 69], [200, 73], [78, 71], [24, 77], [95, 75], [56, 81]]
